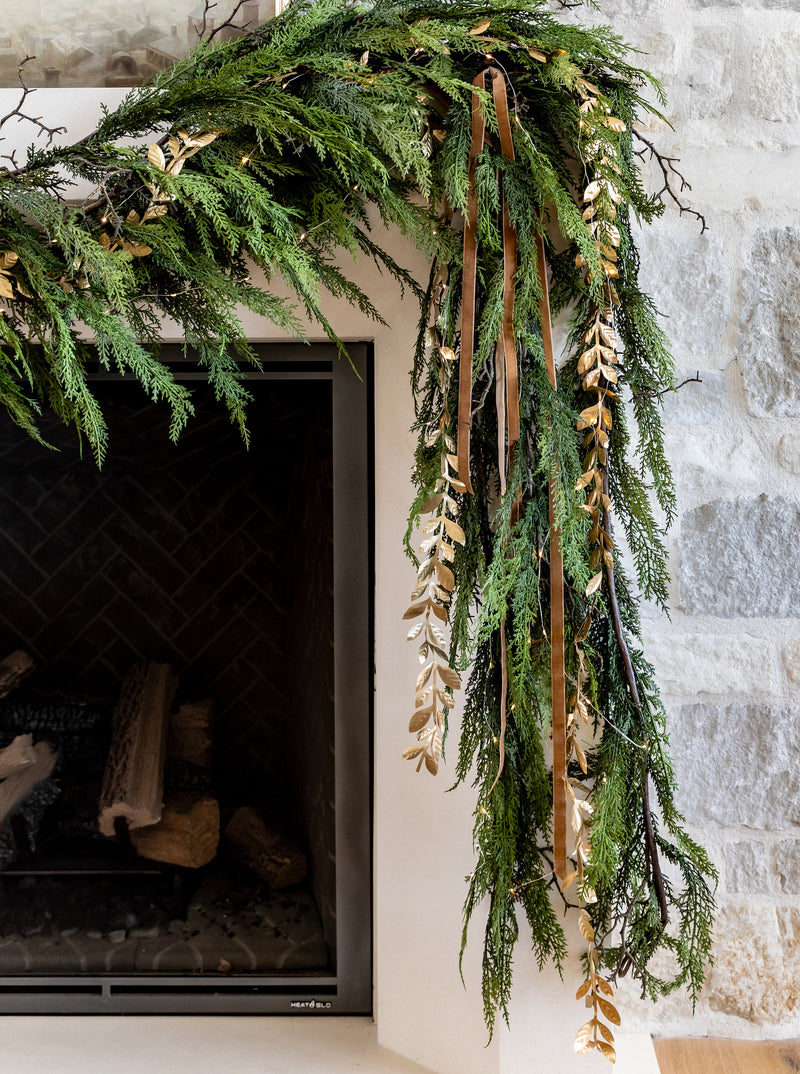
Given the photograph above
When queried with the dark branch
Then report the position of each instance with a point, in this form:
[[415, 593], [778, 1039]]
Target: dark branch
[[22, 116], [209, 5], [651, 848], [669, 174], [652, 393]]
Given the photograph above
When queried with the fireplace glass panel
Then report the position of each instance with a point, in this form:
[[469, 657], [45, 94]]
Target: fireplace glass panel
[[219, 560]]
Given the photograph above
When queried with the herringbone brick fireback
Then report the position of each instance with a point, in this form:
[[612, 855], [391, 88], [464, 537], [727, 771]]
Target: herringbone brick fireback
[[183, 553]]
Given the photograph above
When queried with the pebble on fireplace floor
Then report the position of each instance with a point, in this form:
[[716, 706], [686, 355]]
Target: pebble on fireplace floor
[[230, 927]]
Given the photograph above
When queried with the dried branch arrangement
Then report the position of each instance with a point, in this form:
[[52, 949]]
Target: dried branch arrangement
[[270, 150]]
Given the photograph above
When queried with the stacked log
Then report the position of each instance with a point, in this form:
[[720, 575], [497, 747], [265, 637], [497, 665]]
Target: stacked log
[[13, 670], [259, 845], [133, 782], [187, 834]]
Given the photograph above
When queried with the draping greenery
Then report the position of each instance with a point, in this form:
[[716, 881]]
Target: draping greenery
[[272, 150]]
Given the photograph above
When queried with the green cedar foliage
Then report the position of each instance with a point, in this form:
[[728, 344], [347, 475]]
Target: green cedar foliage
[[325, 113]]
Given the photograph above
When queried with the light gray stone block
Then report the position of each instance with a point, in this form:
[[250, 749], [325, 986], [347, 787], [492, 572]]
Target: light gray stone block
[[737, 558], [789, 453], [747, 868], [710, 75], [690, 280], [737, 764], [786, 865], [756, 971], [693, 664], [775, 79], [790, 655], [699, 402], [769, 346]]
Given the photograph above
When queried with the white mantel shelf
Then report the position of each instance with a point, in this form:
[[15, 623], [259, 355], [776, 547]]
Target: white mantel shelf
[[195, 1045], [136, 1044]]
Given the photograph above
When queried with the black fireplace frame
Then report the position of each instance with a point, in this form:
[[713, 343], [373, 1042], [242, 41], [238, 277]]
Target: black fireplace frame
[[348, 990]]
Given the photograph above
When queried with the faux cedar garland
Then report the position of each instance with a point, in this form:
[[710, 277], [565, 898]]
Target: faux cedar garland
[[269, 151]]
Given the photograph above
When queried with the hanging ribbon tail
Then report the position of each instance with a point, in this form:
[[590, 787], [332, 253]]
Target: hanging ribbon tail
[[506, 369], [507, 375], [469, 282], [557, 658], [508, 342]]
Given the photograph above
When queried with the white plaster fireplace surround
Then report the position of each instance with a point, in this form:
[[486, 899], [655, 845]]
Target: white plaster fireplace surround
[[422, 842]]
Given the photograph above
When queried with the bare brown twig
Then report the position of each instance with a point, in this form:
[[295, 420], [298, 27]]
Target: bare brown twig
[[669, 174], [208, 6], [22, 116]]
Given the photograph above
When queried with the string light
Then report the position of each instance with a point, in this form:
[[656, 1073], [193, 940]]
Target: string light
[[245, 161], [103, 219], [302, 237]]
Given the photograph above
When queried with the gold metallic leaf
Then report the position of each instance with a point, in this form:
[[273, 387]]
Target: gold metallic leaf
[[587, 931], [581, 757], [481, 27], [454, 531], [594, 584], [609, 1010], [608, 1051], [606, 1032], [6, 290], [592, 190], [569, 879], [415, 610], [418, 721], [431, 764], [155, 154], [431, 503], [138, 249], [414, 632], [153, 211], [445, 576], [612, 234], [537, 55], [603, 986], [446, 551], [423, 676], [586, 984], [583, 1038], [450, 678], [412, 752]]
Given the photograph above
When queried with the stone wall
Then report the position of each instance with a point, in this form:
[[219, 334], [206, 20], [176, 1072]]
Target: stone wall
[[729, 659]]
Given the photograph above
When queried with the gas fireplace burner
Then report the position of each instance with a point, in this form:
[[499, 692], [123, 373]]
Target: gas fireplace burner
[[185, 707]]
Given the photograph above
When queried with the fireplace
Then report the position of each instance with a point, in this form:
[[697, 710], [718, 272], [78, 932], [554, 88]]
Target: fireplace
[[248, 573]]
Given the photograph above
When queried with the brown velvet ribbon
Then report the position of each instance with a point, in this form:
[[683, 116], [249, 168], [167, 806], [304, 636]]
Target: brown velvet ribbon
[[507, 380], [507, 403], [557, 659]]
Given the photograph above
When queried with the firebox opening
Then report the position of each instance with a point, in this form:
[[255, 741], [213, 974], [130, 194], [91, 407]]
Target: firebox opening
[[217, 561]]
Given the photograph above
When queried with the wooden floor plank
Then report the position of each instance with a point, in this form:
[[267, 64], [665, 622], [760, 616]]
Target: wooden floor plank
[[707, 1055]]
